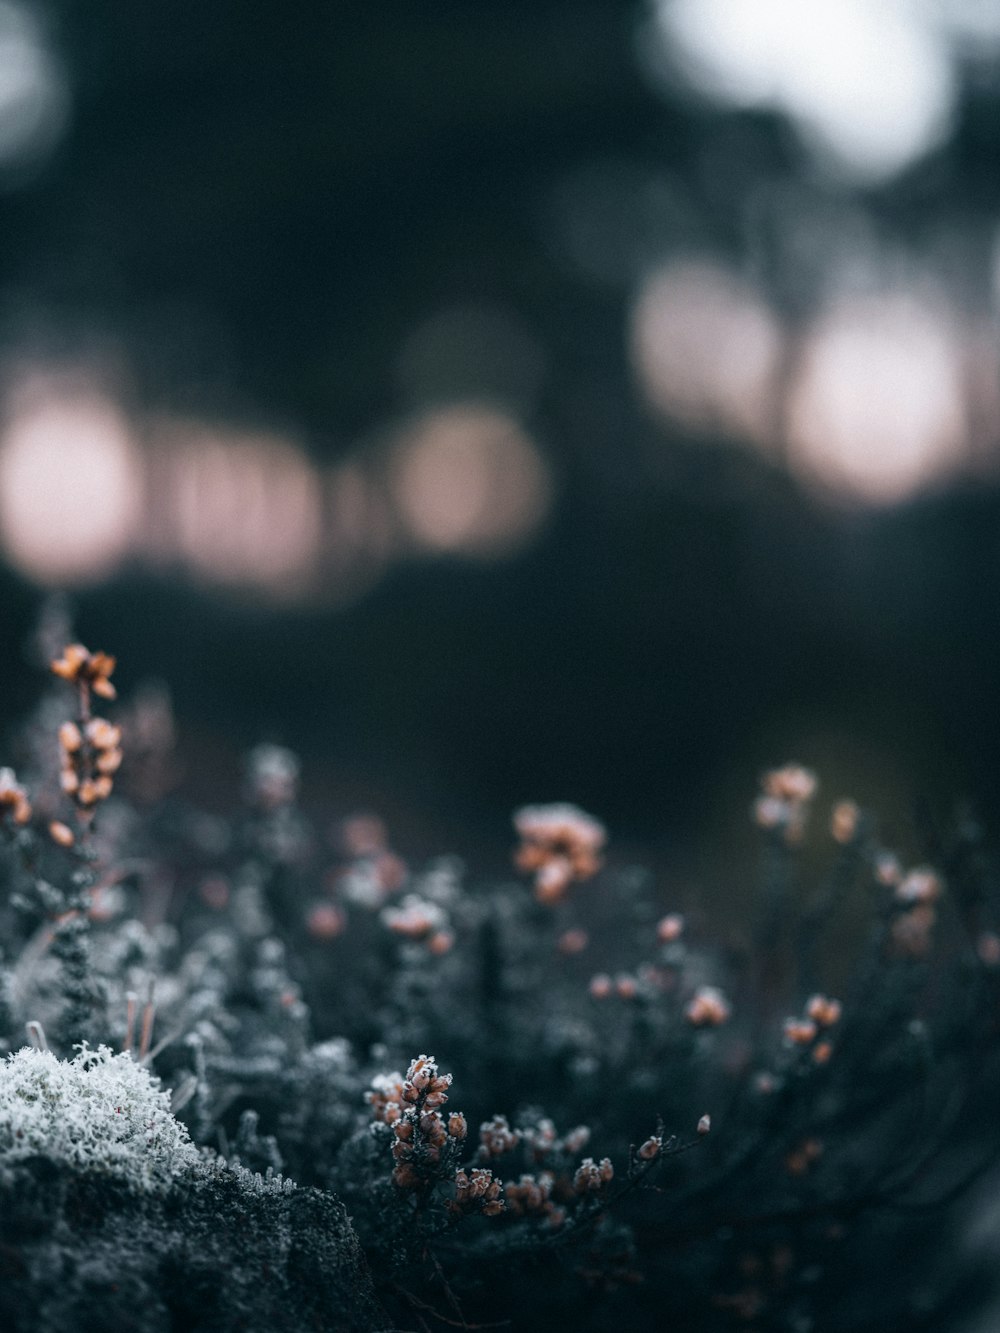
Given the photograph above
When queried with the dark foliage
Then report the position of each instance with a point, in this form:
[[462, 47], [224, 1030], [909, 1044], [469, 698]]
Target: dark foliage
[[639, 1125]]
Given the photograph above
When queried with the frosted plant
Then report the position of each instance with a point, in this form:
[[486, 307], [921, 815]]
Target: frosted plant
[[99, 1113]]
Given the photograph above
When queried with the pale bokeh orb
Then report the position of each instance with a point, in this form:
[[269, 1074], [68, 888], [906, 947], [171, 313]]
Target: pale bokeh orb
[[71, 486]]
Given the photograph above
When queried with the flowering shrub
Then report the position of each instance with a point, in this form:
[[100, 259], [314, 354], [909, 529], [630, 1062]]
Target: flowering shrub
[[630, 1122]]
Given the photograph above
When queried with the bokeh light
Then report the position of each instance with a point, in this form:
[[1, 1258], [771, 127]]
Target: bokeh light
[[707, 349], [877, 406], [468, 479], [869, 84], [34, 97], [238, 508], [70, 483]]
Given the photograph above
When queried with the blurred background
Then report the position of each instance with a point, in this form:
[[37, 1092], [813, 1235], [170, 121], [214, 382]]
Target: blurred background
[[546, 400]]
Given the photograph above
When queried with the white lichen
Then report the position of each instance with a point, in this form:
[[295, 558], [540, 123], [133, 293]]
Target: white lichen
[[99, 1113]]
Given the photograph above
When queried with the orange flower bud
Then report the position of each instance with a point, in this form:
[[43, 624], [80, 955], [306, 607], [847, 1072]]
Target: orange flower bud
[[70, 737], [61, 833], [102, 734]]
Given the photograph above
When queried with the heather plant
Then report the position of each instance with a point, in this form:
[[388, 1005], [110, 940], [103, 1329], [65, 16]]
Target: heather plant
[[234, 1121]]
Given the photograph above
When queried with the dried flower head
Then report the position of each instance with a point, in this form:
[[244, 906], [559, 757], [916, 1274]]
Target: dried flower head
[[496, 1137], [575, 1140], [423, 1085], [530, 1195], [559, 845], [823, 1011], [425, 1144], [799, 1031], [592, 1176], [919, 886], [708, 1007], [414, 918], [90, 758], [385, 1097], [82, 667], [457, 1125], [792, 782], [477, 1191]]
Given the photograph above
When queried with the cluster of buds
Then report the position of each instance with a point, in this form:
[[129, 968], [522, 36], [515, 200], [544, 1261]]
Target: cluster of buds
[[385, 1097], [560, 845], [593, 1176], [89, 671], [784, 801], [91, 746], [541, 1142], [421, 1134], [915, 894], [419, 1142], [531, 1196], [920, 886], [708, 1007], [496, 1138], [91, 755], [821, 1013], [421, 921], [602, 987], [424, 1086], [800, 1031], [13, 798], [477, 1191]]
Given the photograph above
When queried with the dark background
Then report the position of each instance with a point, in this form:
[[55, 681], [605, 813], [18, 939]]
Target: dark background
[[248, 212]]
